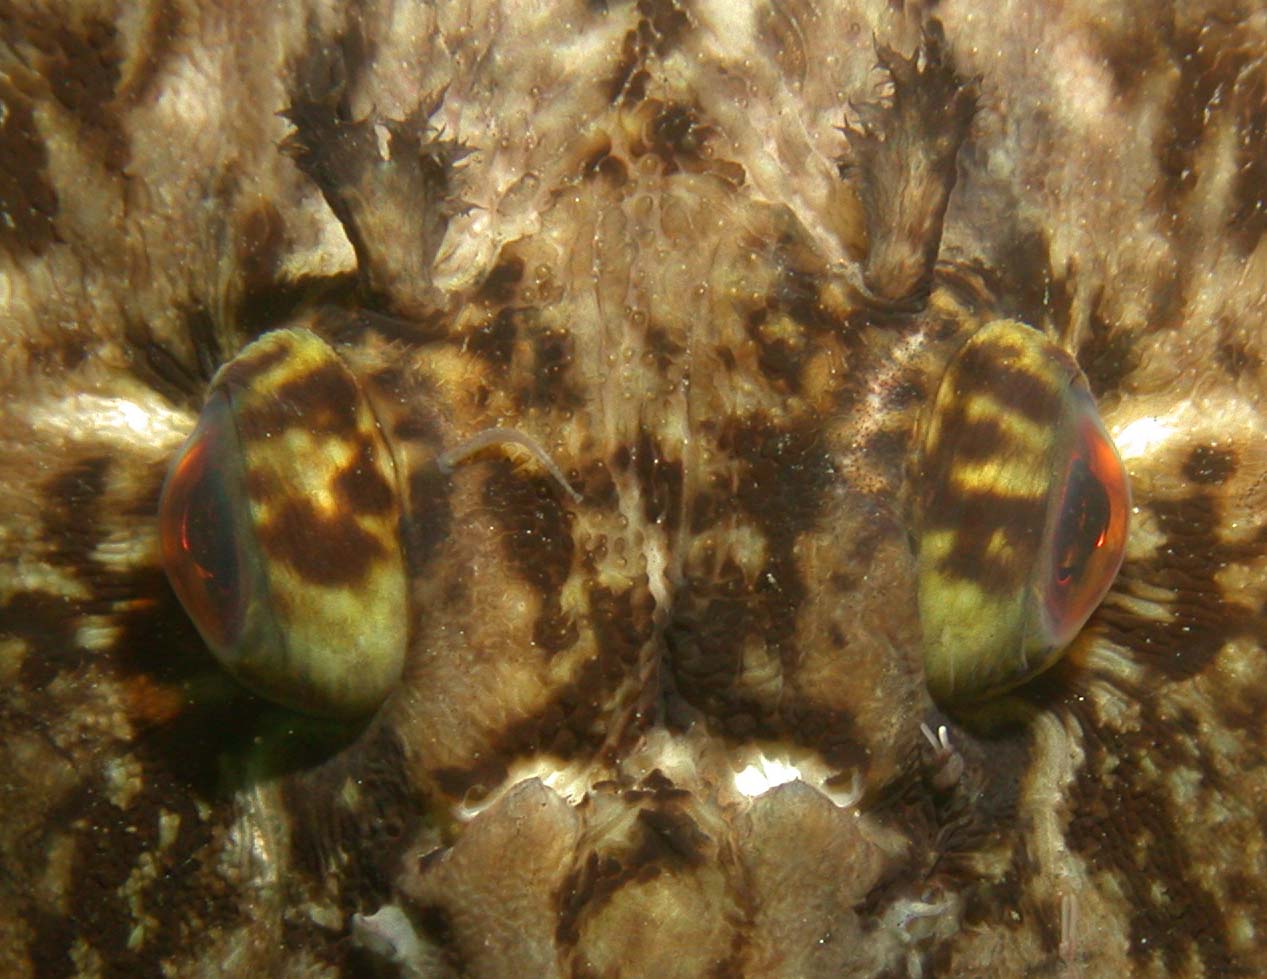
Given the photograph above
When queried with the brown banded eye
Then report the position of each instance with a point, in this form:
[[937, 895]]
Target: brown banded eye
[[279, 524], [1022, 513]]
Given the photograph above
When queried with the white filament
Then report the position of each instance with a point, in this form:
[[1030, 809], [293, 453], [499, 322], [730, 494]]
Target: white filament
[[498, 436]]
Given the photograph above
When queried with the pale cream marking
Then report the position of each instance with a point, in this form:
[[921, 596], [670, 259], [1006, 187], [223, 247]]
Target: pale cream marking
[[98, 633], [142, 420], [125, 778], [502, 436]]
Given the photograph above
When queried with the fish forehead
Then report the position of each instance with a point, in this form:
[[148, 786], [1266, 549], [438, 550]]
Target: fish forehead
[[656, 281], [736, 427]]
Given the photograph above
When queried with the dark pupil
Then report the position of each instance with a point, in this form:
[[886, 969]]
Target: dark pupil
[[206, 536], [1084, 516]]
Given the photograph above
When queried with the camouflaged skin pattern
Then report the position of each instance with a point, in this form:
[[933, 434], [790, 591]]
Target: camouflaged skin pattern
[[636, 234]]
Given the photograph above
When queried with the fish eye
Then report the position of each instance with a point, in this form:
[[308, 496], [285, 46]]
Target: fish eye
[[1021, 519], [279, 526]]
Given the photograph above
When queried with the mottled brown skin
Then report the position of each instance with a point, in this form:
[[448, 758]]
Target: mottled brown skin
[[721, 317]]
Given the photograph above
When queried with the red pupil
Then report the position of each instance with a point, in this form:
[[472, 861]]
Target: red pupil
[[1084, 521]]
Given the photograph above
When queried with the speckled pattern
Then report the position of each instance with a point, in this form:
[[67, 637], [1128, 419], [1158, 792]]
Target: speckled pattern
[[712, 260]]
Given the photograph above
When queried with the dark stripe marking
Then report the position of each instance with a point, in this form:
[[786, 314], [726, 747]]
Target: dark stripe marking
[[987, 369], [326, 550], [84, 79], [28, 200], [576, 721], [661, 482], [361, 486], [324, 400], [1209, 465]]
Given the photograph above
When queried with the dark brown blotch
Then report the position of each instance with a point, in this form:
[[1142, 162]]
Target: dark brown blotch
[[28, 201], [162, 31], [554, 630], [265, 296], [660, 787], [373, 837], [676, 135], [244, 370], [661, 480], [787, 472], [205, 340], [982, 369], [623, 625], [627, 83], [494, 341], [1031, 290], [503, 279], [552, 355], [111, 842], [1108, 355], [1236, 358], [670, 839], [965, 439], [665, 23], [361, 486], [595, 484], [71, 517], [661, 27], [589, 886], [83, 72], [1210, 465], [538, 535], [709, 506], [667, 840], [779, 359], [1249, 189], [975, 516], [325, 549], [46, 624], [429, 517], [324, 400], [601, 163]]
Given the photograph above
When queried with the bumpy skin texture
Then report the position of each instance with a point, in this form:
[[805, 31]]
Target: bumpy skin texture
[[664, 262]]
